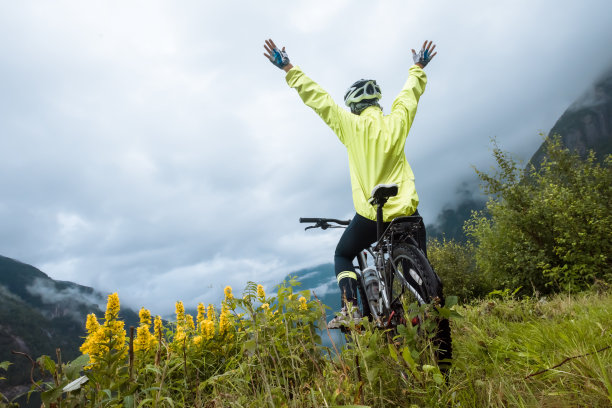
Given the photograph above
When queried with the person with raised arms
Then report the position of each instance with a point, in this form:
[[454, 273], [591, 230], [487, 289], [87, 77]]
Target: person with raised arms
[[375, 144]]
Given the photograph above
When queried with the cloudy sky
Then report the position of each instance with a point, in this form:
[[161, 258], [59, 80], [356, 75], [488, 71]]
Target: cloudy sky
[[148, 147]]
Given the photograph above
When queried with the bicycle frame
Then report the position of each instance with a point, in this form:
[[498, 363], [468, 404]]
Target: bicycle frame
[[400, 266], [401, 229]]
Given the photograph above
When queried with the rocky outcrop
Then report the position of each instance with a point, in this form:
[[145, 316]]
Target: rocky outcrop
[[587, 123]]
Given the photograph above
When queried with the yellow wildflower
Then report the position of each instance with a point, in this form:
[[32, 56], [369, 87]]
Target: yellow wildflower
[[113, 327], [112, 307], [211, 313], [179, 335], [103, 339], [201, 315], [145, 316], [190, 325], [158, 327], [92, 323], [303, 305], [224, 320], [143, 339], [181, 323], [228, 293], [197, 340], [93, 327], [260, 292], [209, 323], [209, 329], [180, 312], [265, 306]]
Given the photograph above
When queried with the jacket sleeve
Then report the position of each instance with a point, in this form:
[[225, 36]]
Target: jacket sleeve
[[405, 105], [321, 102]]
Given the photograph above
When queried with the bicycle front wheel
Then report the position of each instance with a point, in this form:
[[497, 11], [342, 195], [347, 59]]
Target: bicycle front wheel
[[413, 280]]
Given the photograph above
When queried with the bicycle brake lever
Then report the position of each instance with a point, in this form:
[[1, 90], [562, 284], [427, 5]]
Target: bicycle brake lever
[[312, 226]]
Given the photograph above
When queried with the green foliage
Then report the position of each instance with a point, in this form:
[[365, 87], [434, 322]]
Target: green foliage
[[509, 351], [268, 354], [455, 263], [548, 230], [534, 352], [279, 349], [4, 367]]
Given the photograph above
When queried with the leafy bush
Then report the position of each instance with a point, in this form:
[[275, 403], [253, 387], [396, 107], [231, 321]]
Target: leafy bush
[[455, 263], [549, 229]]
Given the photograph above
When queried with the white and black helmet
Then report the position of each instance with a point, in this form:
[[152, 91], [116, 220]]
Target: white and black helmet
[[361, 90]]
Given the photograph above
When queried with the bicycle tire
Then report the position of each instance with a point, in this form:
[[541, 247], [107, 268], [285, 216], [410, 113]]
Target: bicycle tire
[[424, 286]]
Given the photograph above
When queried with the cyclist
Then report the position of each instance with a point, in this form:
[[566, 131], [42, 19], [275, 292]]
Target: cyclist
[[375, 145]]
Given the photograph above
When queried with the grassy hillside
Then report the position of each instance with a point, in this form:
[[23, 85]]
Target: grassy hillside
[[552, 352], [506, 349]]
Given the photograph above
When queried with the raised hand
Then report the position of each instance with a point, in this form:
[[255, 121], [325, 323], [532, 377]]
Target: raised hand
[[425, 54], [277, 57]]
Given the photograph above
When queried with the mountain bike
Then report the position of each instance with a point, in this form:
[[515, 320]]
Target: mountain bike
[[399, 274]]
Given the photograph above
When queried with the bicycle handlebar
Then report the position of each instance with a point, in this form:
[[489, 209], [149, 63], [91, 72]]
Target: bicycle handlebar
[[323, 223]]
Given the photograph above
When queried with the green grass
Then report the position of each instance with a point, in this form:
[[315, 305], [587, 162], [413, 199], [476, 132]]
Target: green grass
[[552, 352], [501, 344]]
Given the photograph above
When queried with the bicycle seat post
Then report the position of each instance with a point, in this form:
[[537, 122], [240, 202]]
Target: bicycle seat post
[[379, 220], [380, 194]]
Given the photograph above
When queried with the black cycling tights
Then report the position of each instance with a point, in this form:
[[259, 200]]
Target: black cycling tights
[[359, 235]]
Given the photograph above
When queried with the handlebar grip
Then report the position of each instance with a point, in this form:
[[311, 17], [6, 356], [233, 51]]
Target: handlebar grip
[[325, 220]]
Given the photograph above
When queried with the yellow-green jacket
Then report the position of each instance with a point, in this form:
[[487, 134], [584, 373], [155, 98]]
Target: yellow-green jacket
[[375, 142]]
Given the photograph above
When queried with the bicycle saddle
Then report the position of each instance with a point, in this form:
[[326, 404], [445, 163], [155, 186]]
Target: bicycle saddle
[[382, 192]]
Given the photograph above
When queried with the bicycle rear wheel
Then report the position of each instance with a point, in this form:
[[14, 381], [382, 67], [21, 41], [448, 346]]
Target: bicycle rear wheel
[[417, 282]]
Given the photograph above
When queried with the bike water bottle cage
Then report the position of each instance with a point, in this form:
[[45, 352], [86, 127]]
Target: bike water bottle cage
[[423, 57], [279, 58], [361, 90], [382, 192]]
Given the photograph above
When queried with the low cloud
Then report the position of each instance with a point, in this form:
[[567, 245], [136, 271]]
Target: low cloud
[[71, 301], [597, 95]]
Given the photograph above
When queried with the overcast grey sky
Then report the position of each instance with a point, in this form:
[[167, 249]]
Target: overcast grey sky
[[148, 147]]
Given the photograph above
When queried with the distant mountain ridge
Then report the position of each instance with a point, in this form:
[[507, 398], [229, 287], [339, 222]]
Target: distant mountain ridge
[[587, 123], [321, 280]]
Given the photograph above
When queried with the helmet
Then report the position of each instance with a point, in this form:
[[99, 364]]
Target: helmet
[[360, 90]]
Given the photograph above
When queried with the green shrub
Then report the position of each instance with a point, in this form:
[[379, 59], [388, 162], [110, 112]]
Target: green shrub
[[455, 263], [549, 229]]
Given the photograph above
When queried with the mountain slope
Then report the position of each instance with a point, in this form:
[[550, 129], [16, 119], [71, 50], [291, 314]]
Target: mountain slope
[[587, 123], [39, 315], [321, 280]]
